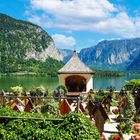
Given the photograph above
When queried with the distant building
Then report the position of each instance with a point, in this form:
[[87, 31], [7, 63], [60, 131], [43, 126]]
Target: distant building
[[76, 76]]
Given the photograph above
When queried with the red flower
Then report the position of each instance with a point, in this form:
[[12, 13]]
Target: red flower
[[137, 128], [116, 137], [136, 125], [116, 110]]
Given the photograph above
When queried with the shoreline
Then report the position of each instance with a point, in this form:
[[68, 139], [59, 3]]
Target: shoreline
[[28, 74]]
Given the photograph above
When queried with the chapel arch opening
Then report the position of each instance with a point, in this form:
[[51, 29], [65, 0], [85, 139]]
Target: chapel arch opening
[[75, 83]]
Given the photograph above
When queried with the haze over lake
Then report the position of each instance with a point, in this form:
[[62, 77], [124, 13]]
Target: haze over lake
[[52, 82]]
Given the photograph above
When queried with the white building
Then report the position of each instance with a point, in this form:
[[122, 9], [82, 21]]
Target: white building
[[76, 76]]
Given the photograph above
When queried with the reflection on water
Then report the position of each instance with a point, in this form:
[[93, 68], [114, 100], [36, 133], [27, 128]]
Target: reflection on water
[[28, 82], [51, 83], [117, 82]]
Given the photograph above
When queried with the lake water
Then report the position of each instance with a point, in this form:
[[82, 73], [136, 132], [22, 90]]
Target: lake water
[[51, 83]]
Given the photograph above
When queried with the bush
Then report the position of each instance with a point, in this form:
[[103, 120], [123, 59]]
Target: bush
[[133, 85], [129, 112], [50, 106], [79, 127], [100, 95], [18, 90], [60, 91], [137, 119], [114, 103], [72, 127], [129, 109], [39, 91]]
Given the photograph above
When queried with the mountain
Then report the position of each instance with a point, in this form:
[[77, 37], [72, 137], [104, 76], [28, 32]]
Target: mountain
[[111, 54], [134, 66], [66, 54], [25, 46]]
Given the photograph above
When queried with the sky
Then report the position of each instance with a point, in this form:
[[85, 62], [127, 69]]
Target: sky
[[77, 24]]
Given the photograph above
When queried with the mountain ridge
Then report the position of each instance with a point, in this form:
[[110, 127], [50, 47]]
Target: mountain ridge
[[23, 42], [26, 46], [66, 54], [112, 54], [116, 54]]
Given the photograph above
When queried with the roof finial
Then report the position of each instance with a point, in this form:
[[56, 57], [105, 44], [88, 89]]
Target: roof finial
[[74, 48], [74, 53]]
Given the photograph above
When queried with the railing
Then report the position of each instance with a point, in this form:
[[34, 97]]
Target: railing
[[6, 99]]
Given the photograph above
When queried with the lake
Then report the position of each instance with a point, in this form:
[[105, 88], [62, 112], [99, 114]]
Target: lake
[[52, 82]]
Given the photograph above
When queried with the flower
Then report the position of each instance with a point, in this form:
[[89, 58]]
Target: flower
[[116, 110], [116, 137], [136, 137]]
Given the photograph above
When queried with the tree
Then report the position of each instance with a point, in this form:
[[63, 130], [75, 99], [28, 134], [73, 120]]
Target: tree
[[132, 85]]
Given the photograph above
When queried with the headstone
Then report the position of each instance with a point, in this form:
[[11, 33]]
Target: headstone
[[64, 107], [28, 104], [90, 107], [100, 117]]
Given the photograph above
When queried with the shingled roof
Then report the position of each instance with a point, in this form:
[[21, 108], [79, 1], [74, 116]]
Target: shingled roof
[[75, 65]]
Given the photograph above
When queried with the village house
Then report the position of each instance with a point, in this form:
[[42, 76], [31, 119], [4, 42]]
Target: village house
[[76, 76]]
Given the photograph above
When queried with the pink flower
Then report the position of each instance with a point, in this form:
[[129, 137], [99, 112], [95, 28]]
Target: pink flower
[[103, 136], [136, 136]]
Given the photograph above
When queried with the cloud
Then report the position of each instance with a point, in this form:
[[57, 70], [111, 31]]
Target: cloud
[[75, 8], [63, 41], [84, 15]]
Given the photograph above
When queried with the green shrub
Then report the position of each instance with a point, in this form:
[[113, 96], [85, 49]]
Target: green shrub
[[72, 127], [79, 127], [132, 85], [114, 103], [100, 95], [18, 90], [49, 108], [137, 118], [39, 91], [129, 109], [129, 112], [60, 91]]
